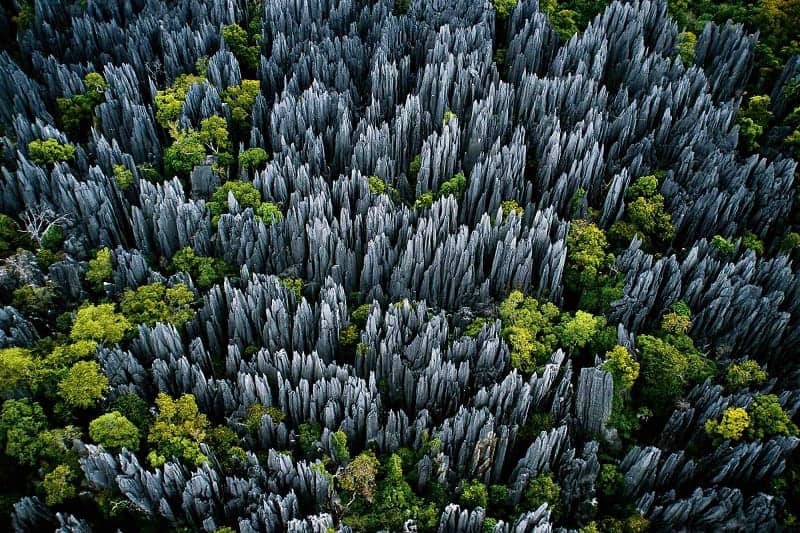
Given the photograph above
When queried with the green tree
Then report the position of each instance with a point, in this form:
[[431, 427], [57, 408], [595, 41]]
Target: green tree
[[474, 494], [135, 409], [99, 323], [21, 421], [622, 367], [577, 331], [216, 139], [424, 201], [676, 323], [206, 271], [750, 241], [587, 256], [610, 482], [185, 153], [245, 194], [686, 46], [529, 328], [83, 385], [455, 186], [49, 151], [339, 447], [268, 213], [58, 485], [667, 372], [731, 426], [358, 477], [767, 418], [237, 40], [100, 269], [153, 303], [10, 236], [253, 158], [34, 300], [723, 246], [17, 369], [169, 102], [113, 431], [504, 7], [123, 177], [178, 430], [241, 99], [542, 489], [744, 374]]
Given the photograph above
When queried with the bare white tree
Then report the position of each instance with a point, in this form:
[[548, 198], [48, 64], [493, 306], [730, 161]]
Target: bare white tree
[[39, 219]]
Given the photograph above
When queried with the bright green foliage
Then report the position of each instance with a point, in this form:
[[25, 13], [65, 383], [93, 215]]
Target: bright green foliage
[[20, 423], [349, 336], [339, 447], [767, 418], [448, 116], [55, 445], [359, 315], [178, 430], [731, 426], [376, 185], [649, 216], [169, 102], [253, 158], [293, 284], [113, 431], [206, 271], [542, 489], [49, 151], [682, 308], [455, 186], [667, 372], [100, 269], [268, 213], [257, 411], [474, 494], [99, 323], [358, 477], [396, 502], [75, 113], [17, 368], [307, 435], [33, 299], [68, 354], [184, 154], [676, 323], [576, 331], [241, 99], [610, 481], [588, 260], [723, 246], [645, 186], [622, 367], [424, 201], [564, 23], [474, 328], [238, 41], [58, 485], [510, 206], [83, 385], [503, 8], [246, 196], [753, 119], [686, 46], [153, 303], [744, 374], [214, 136], [123, 177], [529, 328], [750, 241]]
